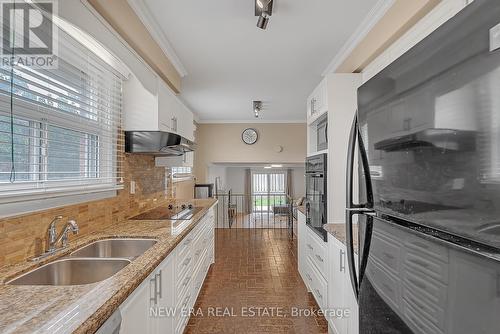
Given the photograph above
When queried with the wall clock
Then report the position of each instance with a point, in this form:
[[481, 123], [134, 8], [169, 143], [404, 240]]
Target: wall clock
[[249, 136]]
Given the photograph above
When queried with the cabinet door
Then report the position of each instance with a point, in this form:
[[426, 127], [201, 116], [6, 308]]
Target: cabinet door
[[167, 107], [301, 241], [166, 296], [135, 311], [352, 322], [185, 122], [337, 286]]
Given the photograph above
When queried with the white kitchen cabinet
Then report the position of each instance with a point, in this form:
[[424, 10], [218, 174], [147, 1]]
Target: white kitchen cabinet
[[135, 310], [301, 244], [172, 286], [317, 102], [165, 275], [159, 110], [340, 293]]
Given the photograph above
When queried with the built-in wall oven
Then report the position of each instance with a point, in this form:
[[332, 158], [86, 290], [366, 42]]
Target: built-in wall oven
[[316, 199]]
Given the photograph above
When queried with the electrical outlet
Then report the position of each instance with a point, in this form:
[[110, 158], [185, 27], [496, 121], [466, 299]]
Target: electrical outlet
[[132, 187]]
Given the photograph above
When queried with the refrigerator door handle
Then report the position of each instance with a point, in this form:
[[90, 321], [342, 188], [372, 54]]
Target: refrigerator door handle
[[357, 209]]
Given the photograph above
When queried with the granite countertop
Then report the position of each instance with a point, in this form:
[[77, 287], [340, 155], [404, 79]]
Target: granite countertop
[[302, 209], [84, 308], [338, 232]]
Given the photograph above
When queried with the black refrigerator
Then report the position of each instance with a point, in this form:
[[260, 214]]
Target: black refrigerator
[[427, 137]]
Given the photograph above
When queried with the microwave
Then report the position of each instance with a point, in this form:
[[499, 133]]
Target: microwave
[[322, 134]]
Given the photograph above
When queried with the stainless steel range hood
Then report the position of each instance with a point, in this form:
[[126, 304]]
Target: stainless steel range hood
[[157, 143]]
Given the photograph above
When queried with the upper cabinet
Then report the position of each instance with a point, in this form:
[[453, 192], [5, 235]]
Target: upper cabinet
[[155, 111], [317, 102]]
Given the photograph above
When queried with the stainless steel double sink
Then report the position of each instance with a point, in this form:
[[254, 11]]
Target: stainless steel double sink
[[92, 263]]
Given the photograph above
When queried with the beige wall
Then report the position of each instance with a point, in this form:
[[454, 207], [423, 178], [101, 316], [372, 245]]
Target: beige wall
[[221, 143]]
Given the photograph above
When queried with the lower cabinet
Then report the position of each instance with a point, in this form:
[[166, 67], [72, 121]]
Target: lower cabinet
[[341, 298], [162, 302], [324, 270]]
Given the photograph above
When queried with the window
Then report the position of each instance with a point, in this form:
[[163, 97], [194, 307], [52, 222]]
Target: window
[[63, 133], [181, 172], [268, 190]]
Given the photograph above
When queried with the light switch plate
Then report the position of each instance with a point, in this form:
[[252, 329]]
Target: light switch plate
[[495, 38], [132, 187]]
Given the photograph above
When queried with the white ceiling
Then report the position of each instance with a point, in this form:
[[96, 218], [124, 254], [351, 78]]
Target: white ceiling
[[230, 62]]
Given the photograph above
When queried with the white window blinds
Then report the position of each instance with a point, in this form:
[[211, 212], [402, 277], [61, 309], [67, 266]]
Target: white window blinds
[[62, 132]]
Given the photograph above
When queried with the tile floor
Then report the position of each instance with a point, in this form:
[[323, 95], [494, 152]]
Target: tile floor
[[254, 268]]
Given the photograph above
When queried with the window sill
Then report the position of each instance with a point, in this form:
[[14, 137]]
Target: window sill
[[25, 202], [182, 179]]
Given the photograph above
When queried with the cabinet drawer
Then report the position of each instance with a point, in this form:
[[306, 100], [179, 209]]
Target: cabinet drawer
[[426, 266], [386, 251], [182, 314], [316, 251], [318, 285], [429, 291], [183, 249], [423, 246], [184, 264], [424, 310], [388, 287], [416, 322]]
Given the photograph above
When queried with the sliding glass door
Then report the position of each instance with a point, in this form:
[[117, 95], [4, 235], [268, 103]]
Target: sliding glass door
[[268, 191]]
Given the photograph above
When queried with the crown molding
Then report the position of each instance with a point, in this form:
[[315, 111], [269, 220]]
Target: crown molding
[[157, 33], [375, 14], [251, 121]]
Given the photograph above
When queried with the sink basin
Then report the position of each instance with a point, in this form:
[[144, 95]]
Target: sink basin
[[72, 272], [115, 248]]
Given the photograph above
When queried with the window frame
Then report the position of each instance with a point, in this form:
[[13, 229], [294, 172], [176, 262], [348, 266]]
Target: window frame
[[28, 190]]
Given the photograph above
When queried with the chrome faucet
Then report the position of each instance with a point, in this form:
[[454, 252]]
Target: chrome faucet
[[53, 239]]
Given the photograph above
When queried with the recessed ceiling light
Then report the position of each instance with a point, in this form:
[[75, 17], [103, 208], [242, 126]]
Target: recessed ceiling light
[[257, 107], [276, 166], [268, 167]]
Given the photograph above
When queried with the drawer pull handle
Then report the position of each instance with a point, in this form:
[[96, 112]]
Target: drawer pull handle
[[310, 247], [342, 264], [184, 303], [320, 259], [309, 277], [318, 293], [186, 281]]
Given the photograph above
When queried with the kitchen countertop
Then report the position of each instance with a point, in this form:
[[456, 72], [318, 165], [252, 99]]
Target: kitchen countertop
[[338, 232], [84, 308], [302, 209]]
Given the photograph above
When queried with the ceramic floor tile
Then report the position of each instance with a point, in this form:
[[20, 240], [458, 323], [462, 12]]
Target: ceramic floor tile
[[254, 268]]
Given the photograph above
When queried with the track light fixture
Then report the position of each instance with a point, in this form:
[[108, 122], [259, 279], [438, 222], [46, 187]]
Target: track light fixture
[[257, 107], [263, 9]]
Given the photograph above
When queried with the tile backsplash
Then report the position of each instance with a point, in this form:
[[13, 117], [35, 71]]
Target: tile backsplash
[[24, 236]]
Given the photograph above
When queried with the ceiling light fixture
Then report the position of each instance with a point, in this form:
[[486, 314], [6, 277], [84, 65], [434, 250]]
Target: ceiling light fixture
[[257, 107], [276, 166], [263, 21], [263, 9], [268, 167]]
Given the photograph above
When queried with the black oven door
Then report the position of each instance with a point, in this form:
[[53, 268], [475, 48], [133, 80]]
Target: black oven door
[[316, 194]]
